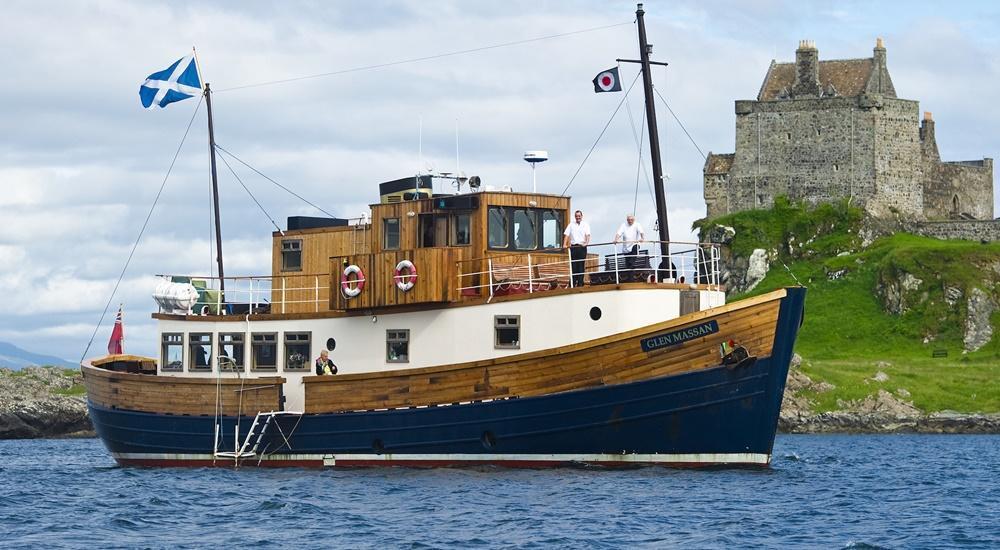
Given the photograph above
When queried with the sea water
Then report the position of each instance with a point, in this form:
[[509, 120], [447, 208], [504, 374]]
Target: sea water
[[831, 491]]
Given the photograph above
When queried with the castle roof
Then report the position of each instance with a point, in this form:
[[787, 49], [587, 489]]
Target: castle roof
[[719, 164], [848, 77]]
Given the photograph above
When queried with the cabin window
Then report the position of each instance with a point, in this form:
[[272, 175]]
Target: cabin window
[[298, 350], [232, 347], [552, 228], [265, 351], [291, 255], [507, 332], [200, 351], [172, 351], [461, 229], [390, 234], [433, 230], [525, 237], [497, 227], [397, 346]]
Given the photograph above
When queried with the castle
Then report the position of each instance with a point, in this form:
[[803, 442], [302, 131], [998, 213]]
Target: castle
[[820, 131]]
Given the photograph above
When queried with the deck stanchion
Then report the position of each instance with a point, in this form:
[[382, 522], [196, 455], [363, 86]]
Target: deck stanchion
[[569, 255], [282, 294], [316, 282], [531, 285], [490, 267]]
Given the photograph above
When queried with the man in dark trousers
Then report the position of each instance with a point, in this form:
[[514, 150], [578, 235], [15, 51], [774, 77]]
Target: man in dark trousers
[[576, 238]]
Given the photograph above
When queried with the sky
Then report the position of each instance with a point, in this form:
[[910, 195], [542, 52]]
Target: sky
[[81, 161]]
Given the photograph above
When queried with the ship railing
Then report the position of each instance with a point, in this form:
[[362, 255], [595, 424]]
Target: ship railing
[[293, 293], [606, 263]]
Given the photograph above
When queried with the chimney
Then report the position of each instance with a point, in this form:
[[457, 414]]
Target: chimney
[[878, 55], [927, 140], [806, 70]]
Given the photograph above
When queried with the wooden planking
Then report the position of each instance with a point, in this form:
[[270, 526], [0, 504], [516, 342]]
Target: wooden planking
[[181, 396], [610, 360], [318, 245], [436, 269]]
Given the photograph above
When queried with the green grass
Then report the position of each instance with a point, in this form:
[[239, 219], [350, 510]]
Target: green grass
[[847, 329], [75, 389]]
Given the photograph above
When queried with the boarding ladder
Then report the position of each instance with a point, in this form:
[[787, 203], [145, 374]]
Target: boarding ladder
[[360, 236], [256, 435]]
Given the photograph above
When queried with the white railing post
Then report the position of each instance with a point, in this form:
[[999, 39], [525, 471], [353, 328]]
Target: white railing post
[[490, 273], [282, 294], [617, 257], [569, 253], [531, 286]]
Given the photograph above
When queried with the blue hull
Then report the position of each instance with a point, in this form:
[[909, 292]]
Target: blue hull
[[715, 416]]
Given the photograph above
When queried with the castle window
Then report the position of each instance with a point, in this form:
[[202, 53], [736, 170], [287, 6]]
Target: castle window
[[954, 204], [818, 131], [836, 167], [789, 136]]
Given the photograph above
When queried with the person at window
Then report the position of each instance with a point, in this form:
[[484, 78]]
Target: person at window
[[324, 365], [630, 234], [576, 238]]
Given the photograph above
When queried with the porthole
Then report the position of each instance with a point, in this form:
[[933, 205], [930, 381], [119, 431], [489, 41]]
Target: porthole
[[331, 344], [595, 313], [488, 440]]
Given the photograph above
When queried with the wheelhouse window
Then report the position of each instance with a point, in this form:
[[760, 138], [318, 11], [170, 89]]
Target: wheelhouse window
[[232, 348], [497, 227], [265, 351], [172, 351], [291, 255], [461, 229], [390, 234], [507, 331], [552, 228], [433, 230], [200, 351], [298, 350], [524, 229], [397, 346]]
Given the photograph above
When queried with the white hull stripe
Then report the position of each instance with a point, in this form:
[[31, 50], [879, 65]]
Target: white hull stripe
[[347, 459]]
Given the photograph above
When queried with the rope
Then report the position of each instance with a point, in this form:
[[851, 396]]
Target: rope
[[681, 124], [418, 59], [259, 205], [640, 166], [289, 191], [592, 147], [142, 230]]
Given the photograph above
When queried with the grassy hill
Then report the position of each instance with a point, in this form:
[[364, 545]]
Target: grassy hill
[[850, 331]]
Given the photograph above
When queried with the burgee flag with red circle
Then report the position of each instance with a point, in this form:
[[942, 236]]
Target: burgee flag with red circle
[[607, 81]]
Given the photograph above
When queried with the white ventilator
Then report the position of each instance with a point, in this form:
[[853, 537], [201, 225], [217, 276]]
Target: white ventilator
[[176, 298]]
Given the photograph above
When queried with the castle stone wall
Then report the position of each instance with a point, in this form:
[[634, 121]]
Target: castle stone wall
[[953, 188], [970, 230]]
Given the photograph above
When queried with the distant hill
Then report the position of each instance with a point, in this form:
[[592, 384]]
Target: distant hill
[[16, 358]]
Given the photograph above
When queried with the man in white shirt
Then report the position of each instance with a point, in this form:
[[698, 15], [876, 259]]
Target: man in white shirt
[[630, 234], [576, 238]]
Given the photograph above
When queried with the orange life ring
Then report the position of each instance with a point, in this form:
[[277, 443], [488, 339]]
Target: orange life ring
[[352, 287], [405, 281]]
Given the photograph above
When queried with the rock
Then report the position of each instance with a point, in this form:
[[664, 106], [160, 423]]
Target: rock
[[720, 234], [893, 291], [978, 330], [952, 295], [30, 408], [834, 275], [756, 269], [882, 365], [880, 377], [902, 393]]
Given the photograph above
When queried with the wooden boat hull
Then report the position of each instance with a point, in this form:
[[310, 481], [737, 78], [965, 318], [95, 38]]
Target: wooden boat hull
[[720, 415]]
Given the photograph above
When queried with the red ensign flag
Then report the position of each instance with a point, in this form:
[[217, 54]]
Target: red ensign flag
[[116, 345]]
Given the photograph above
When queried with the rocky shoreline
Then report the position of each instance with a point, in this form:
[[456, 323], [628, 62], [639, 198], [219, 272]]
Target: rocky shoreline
[[47, 402]]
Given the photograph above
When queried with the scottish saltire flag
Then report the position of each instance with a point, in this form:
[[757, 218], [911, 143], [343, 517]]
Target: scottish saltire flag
[[607, 81], [176, 82]]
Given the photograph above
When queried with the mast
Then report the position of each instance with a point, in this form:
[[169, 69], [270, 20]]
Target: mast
[[654, 138], [215, 190]]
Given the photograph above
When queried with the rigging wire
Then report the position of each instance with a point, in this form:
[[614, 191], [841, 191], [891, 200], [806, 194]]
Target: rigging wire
[[424, 58], [605, 129], [640, 166], [259, 205], [681, 124], [259, 173], [143, 229]]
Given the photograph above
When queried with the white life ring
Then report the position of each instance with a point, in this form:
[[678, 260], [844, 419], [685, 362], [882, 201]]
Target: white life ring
[[405, 281], [349, 287]]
